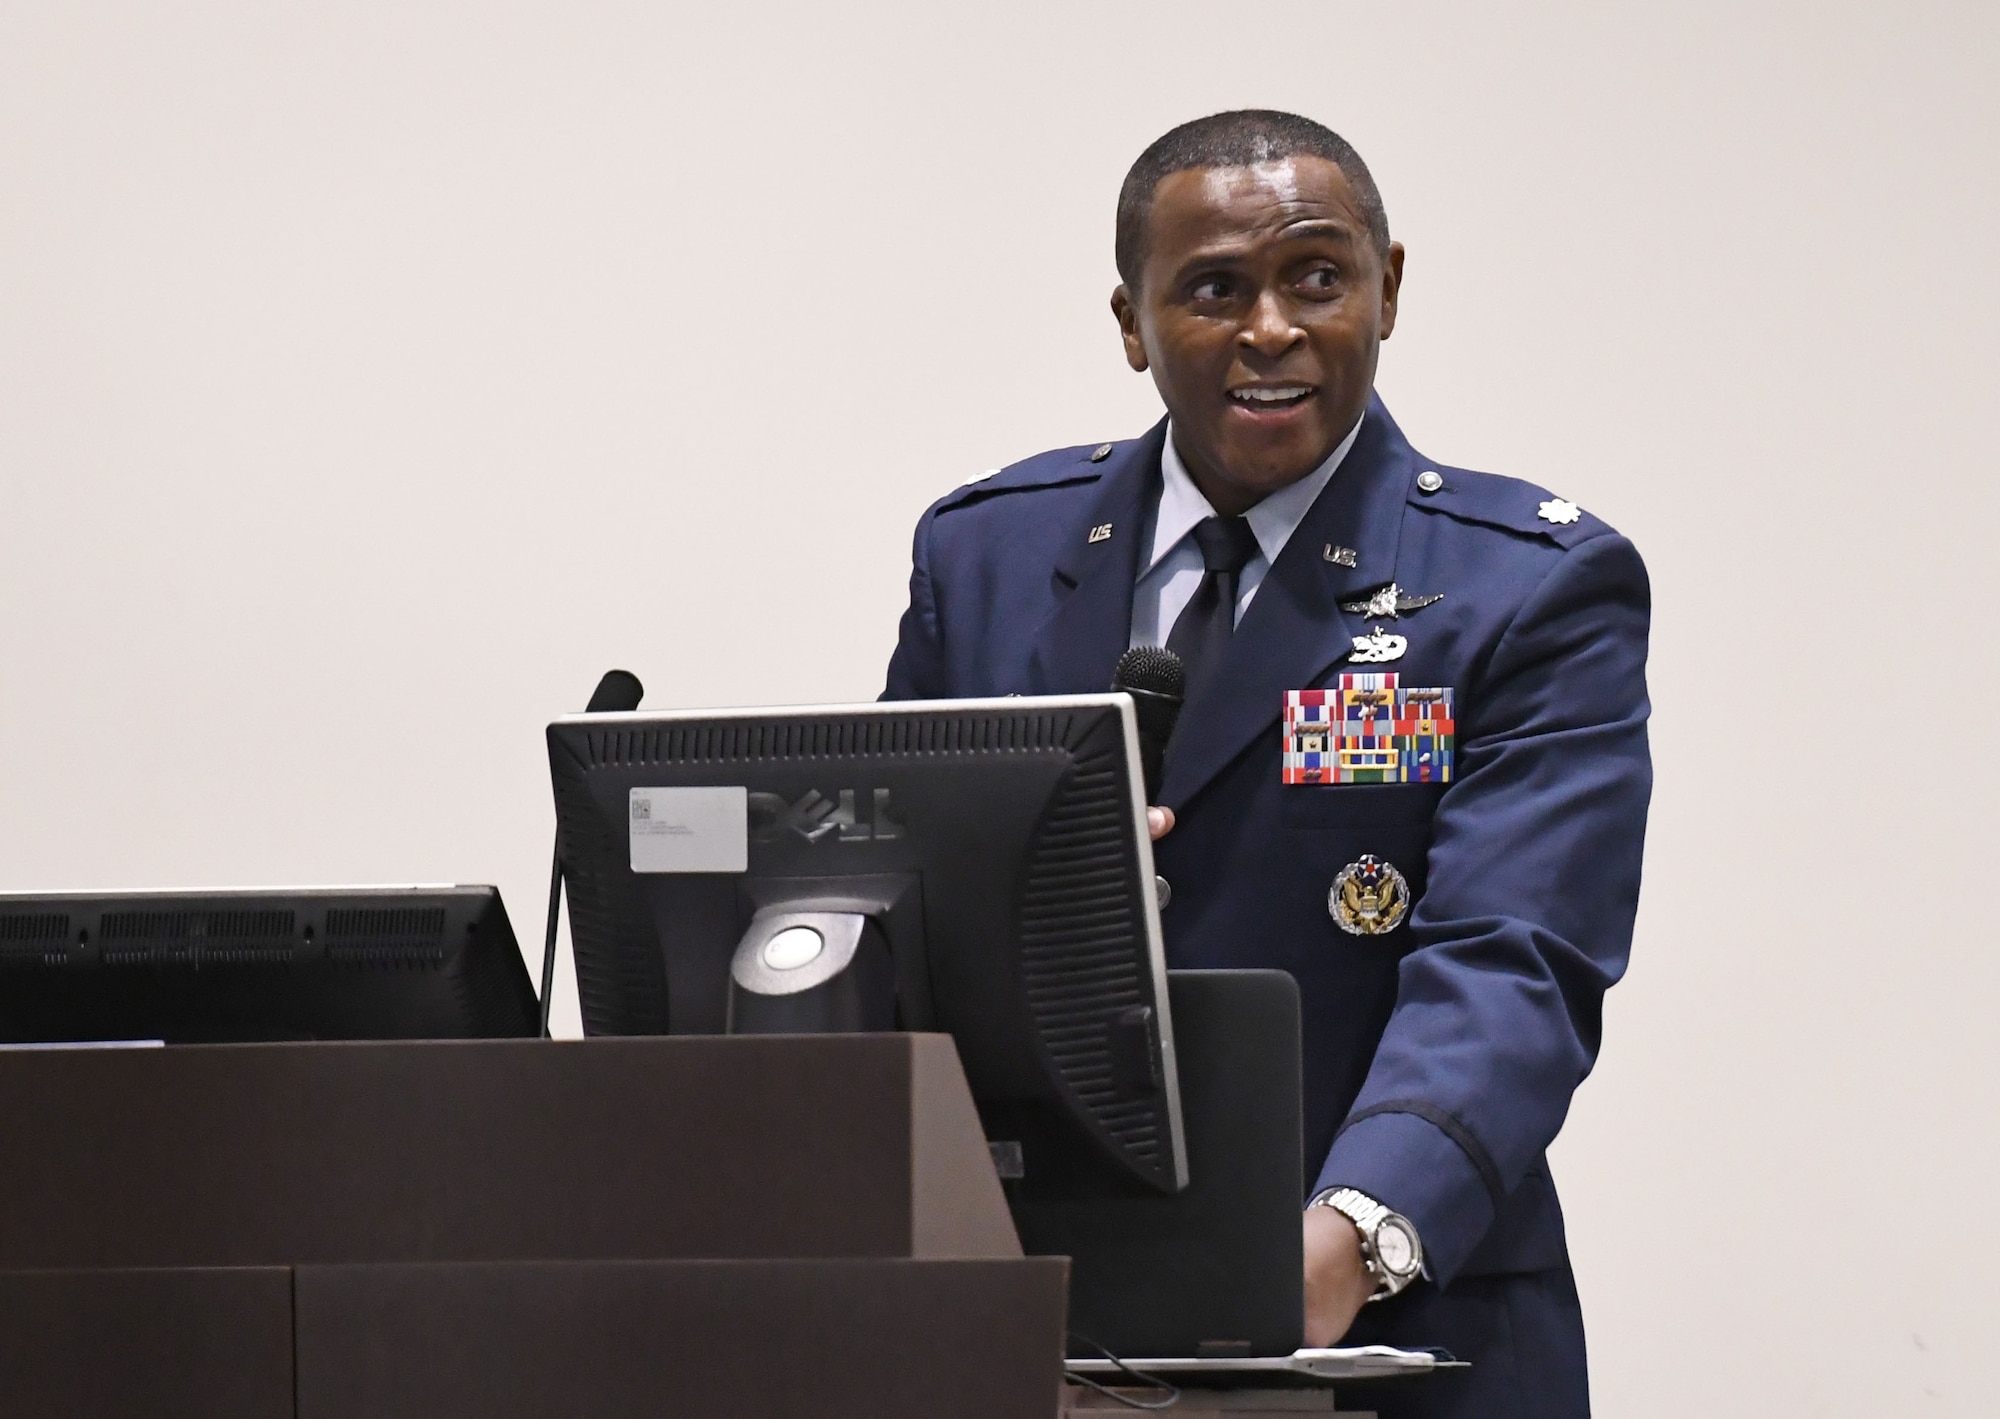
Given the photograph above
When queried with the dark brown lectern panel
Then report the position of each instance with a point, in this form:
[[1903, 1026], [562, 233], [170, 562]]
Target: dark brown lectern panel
[[152, 1344], [857, 1339], [247, 1155]]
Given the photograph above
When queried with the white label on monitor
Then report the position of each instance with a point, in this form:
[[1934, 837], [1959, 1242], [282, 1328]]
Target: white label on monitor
[[690, 829]]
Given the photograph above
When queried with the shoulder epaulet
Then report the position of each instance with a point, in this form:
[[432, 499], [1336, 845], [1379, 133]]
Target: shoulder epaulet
[[1499, 501], [1057, 468]]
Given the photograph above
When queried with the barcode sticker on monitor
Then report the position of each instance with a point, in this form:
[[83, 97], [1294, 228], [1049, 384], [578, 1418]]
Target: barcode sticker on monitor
[[690, 829]]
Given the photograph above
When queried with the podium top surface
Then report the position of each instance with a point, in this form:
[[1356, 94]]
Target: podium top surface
[[502, 1150]]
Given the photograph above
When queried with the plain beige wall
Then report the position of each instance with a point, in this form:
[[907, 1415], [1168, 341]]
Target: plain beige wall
[[373, 375]]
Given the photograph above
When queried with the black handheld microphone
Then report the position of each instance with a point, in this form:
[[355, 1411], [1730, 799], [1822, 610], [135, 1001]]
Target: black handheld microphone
[[619, 690], [1155, 679]]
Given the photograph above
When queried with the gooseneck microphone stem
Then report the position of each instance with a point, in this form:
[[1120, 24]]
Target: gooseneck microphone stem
[[619, 690]]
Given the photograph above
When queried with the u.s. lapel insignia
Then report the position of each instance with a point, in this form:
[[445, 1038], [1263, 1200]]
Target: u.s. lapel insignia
[[1378, 647], [1560, 511], [1340, 556], [1391, 601], [1101, 532], [1369, 897]]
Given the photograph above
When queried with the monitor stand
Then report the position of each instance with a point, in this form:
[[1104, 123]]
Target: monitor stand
[[805, 971]]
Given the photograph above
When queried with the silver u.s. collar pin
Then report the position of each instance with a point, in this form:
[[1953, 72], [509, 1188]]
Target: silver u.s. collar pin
[[1378, 647], [1560, 511], [1391, 601], [1340, 556], [1101, 532]]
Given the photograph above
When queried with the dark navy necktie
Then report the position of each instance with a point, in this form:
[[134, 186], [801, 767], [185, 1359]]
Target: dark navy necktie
[[1204, 628]]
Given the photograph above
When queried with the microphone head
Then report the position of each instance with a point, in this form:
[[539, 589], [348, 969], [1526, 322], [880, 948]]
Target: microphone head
[[1152, 670], [1155, 679], [618, 690]]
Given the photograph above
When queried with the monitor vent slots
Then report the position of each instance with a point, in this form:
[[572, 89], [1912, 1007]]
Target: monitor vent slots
[[34, 939], [386, 936], [829, 739], [196, 938], [1082, 950]]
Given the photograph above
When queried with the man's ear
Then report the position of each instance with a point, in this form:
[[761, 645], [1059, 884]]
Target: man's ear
[[1127, 311], [1392, 286]]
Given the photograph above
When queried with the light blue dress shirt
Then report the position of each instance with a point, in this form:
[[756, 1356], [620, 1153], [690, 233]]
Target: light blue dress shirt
[[1173, 569]]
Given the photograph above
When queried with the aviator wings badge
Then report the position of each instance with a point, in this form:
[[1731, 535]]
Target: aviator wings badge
[[1391, 601]]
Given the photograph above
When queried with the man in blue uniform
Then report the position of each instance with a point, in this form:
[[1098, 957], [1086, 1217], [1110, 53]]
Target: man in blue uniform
[[1412, 766]]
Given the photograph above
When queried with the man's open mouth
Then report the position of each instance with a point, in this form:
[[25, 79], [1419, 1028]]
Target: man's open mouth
[[1271, 397]]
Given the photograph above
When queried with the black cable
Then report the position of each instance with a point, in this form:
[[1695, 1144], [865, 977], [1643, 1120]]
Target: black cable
[[549, 942], [1173, 1395]]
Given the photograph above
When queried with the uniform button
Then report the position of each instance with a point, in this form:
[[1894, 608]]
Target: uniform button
[[1429, 481], [1102, 452], [1163, 890]]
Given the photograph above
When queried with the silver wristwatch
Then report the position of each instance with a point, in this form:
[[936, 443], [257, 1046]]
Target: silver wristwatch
[[1389, 1245]]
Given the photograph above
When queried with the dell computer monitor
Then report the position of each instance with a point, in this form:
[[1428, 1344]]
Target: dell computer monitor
[[354, 963], [980, 867]]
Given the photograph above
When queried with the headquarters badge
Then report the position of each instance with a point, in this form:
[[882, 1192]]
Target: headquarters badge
[[1369, 898]]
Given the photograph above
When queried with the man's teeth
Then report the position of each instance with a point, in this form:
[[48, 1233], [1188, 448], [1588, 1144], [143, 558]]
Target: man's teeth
[[1272, 396]]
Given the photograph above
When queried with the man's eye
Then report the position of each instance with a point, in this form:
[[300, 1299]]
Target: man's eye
[[1321, 278], [1215, 288]]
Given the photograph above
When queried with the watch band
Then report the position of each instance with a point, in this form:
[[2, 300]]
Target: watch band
[[1402, 1263]]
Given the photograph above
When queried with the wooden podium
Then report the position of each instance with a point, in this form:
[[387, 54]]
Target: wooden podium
[[754, 1227]]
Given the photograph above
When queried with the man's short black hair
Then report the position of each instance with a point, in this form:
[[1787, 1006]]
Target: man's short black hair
[[1236, 139]]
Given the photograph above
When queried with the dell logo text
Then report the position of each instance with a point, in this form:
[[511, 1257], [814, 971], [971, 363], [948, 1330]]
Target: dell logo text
[[817, 818]]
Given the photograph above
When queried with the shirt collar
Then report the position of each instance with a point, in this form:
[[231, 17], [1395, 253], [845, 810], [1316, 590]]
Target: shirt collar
[[1273, 520]]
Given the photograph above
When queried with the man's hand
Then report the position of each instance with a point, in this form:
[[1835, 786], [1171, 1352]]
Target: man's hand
[[1337, 1281], [1159, 822]]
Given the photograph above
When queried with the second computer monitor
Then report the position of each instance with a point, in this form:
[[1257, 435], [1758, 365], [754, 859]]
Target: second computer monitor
[[300, 963]]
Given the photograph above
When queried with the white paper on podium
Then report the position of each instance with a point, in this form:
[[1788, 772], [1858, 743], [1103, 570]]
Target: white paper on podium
[[1355, 1362]]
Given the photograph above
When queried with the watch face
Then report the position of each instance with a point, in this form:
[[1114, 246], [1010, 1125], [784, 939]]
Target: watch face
[[1395, 1249]]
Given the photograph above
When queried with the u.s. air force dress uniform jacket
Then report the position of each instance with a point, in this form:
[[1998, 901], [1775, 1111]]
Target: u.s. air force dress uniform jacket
[[1440, 1056]]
